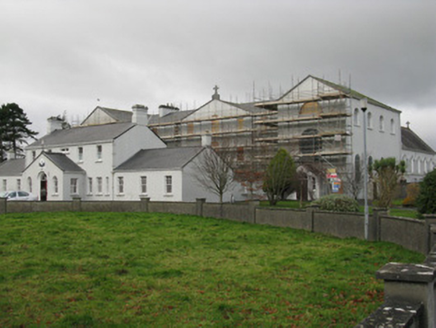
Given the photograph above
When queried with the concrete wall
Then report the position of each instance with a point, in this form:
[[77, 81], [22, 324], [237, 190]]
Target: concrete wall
[[409, 233]]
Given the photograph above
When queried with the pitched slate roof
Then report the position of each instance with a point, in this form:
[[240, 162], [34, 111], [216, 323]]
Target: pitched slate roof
[[13, 167], [411, 141], [82, 135], [63, 162], [160, 159], [122, 116], [175, 117]]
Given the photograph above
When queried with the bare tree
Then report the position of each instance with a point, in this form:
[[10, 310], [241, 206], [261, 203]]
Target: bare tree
[[352, 182], [214, 172]]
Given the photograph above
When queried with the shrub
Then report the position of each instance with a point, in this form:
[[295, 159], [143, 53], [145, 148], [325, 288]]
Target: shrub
[[426, 200], [337, 203], [412, 190]]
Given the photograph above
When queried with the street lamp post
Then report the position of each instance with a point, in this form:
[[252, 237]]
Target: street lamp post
[[363, 107]]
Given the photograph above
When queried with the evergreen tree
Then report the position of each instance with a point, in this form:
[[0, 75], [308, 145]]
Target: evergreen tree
[[14, 129], [279, 176], [426, 201]]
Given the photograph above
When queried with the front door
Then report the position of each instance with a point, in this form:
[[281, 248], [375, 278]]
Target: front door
[[43, 188]]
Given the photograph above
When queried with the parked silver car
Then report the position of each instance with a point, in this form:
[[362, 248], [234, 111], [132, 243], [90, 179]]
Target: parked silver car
[[18, 195]]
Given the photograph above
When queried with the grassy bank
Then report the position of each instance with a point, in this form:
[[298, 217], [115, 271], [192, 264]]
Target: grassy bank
[[162, 270]]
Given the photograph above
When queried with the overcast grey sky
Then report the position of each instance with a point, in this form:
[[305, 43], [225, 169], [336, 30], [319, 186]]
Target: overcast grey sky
[[61, 56]]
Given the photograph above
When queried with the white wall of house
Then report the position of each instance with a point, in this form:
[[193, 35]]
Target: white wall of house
[[137, 138], [192, 188], [11, 183], [215, 107], [418, 164], [382, 141], [156, 185], [98, 116]]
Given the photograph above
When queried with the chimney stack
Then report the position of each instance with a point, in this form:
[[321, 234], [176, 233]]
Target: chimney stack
[[54, 123], [140, 114], [167, 109]]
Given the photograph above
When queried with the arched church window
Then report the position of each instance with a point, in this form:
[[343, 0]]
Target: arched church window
[[356, 116], [310, 109], [357, 168]]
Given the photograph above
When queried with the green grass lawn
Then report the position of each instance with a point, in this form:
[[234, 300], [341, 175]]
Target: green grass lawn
[[163, 270]]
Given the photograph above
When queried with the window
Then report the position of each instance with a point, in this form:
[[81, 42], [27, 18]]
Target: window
[[356, 117], [29, 183], [80, 154], [55, 185], [89, 185], [310, 145], [392, 126], [73, 186], [143, 185], [240, 124], [121, 185], [357, 169], [5, 185], [65, 150], [169, 184], [215, 126], [107, 186], [99, 152], [18, 184], [369, 120], [177, 129], [240, 153], [190, 128], [310, 109], [382, 123], [99, 185]]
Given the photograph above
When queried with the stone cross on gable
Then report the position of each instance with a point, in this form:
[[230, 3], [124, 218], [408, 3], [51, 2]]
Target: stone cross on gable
[[216, 94]]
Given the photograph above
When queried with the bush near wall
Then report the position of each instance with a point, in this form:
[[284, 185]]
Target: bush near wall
[[337, 203]]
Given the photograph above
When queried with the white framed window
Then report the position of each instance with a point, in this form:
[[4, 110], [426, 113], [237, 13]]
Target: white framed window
[[169, 184], [29, 183], [90, 186], [143, 185], [18, 184], [99, 152], [356, 117], [369, 120], [121, 185], [55, 185], [5, 185], [80, 154], [99, 185], [107, 186], [73, 186], [382, 123]]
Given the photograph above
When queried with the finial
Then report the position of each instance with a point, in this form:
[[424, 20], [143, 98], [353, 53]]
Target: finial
[[216, 94], [407, 123]]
